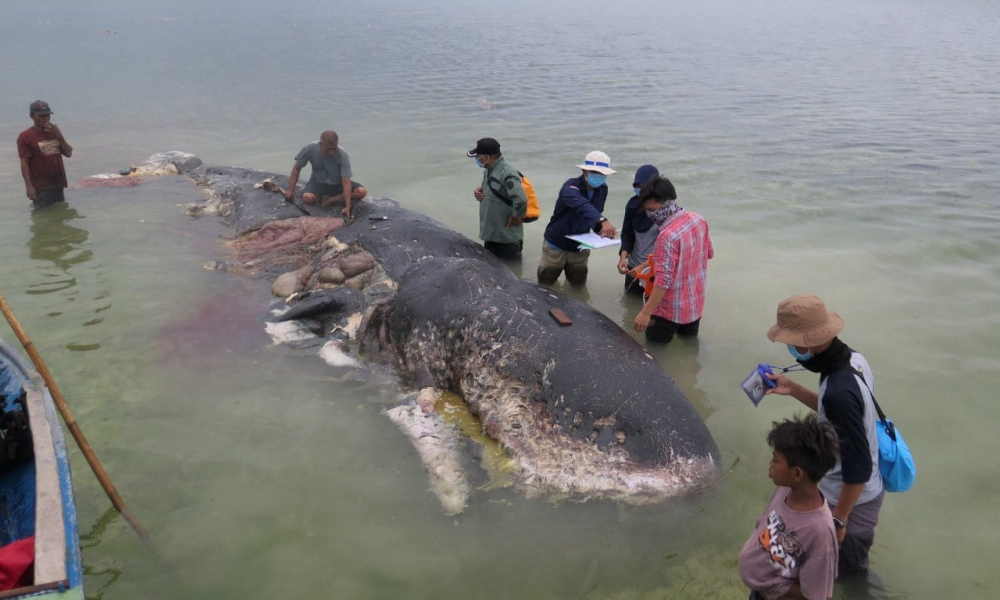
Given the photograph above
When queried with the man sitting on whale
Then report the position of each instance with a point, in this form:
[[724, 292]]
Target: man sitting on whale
[[331, 174]]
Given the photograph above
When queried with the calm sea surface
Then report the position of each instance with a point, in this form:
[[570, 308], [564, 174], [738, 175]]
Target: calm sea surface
[[849, 149]]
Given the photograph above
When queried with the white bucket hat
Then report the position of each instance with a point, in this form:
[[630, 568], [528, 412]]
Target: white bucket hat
[[597, 161]]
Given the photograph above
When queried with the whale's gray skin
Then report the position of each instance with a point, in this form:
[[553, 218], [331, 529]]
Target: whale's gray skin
[[322, 303], [583, 410]]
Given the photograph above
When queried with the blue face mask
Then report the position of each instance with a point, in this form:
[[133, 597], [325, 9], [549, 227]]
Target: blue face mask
[[596, 180], [795, 354], [479, 164], [636, 190]]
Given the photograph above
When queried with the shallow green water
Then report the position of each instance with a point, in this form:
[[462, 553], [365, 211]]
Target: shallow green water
[[844, 149]]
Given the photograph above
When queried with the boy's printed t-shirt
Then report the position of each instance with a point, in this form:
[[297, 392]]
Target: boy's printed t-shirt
[[789, 546]]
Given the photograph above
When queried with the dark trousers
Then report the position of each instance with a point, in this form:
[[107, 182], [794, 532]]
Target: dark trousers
[[45, 198], [859, 537], [501, 250], [325, 190], [662, 331]]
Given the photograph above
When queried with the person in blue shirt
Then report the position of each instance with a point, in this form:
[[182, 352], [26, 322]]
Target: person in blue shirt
[[578, 210]]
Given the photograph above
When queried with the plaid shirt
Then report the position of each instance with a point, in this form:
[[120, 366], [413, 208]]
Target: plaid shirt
[[681, 257]]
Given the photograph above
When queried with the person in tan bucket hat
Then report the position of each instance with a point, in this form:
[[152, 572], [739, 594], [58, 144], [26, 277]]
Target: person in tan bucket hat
[[853, 488], [804, 321]]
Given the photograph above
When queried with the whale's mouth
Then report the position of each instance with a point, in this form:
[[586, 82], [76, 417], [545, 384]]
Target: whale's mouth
[[436, 422], [494, 460]]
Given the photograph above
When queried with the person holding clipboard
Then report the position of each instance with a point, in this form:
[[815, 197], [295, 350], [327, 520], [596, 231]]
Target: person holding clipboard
[[578, 210]]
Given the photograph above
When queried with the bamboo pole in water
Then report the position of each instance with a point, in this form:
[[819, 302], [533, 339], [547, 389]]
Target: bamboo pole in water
[[74, 429]]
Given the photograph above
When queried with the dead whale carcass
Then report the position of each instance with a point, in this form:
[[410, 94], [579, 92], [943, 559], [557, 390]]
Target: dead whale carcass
[[583, 411]]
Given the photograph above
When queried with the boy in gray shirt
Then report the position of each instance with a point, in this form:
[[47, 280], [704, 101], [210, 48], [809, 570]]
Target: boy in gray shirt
[[793, 550]]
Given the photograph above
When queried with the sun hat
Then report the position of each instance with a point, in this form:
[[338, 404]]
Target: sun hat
[[487, 146], [803, 321], [40, 107], [597, 161]]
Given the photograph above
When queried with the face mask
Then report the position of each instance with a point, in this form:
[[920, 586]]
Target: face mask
[[636, 190], [795, 354], [596, 180], [479, 164]]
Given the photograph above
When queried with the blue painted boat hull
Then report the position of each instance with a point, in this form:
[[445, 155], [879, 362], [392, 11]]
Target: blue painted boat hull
[[36, 496]]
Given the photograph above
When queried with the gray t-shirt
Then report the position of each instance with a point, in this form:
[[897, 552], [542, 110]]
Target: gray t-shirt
[[833, 481], [325, 169], [789, 546], [645, 242]]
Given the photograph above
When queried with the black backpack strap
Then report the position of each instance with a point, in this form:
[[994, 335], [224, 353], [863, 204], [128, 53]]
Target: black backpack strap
[[499, 192], [881, 415]]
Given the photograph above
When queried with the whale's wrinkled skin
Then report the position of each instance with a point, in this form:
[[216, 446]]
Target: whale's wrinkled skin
[[583, 410]]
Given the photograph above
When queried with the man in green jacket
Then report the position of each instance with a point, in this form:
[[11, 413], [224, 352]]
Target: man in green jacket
[[502, 201]]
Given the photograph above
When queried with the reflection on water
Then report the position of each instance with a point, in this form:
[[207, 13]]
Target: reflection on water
[[682, 361], [575, 291], [98, 578], [53, 240]]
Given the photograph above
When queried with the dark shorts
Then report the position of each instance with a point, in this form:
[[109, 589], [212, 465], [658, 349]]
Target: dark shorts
[[325, 190], [503, 250], [44, 198], [662, 331]]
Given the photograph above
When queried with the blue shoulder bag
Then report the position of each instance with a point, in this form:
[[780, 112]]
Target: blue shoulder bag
[[895, 462]]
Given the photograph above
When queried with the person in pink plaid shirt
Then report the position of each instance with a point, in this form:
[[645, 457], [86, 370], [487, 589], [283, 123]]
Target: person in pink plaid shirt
[[680, 260]]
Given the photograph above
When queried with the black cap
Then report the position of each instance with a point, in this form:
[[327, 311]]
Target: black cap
[[488, 146], [644, 174], [40, 107]]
